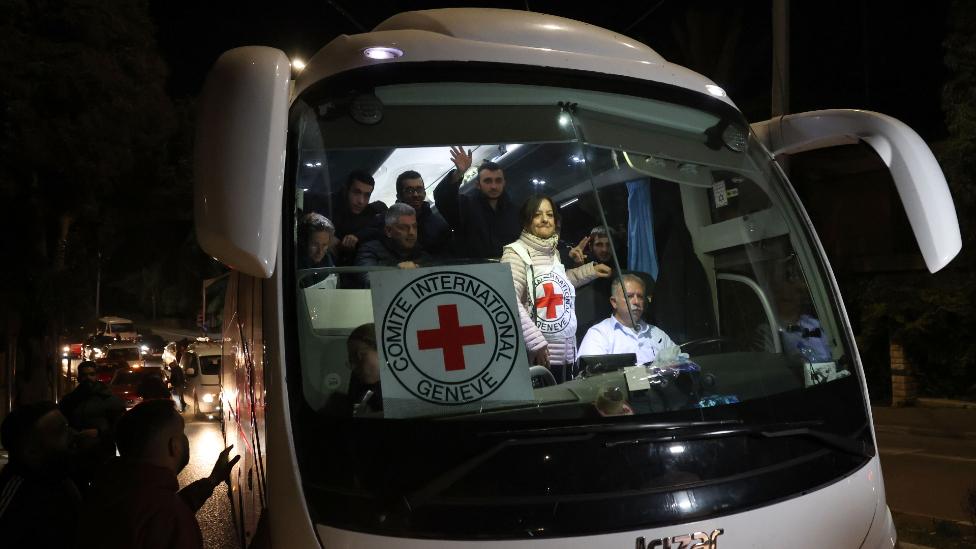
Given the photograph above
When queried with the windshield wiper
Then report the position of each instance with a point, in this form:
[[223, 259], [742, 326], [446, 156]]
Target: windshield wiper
[[593, 428], [850, 445]]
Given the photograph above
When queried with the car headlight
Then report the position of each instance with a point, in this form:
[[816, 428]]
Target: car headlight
[[208, 398], [144, 348], [66, 349]]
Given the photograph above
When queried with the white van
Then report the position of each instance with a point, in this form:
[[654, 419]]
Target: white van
[[118, 327], [202, 389], [771, 445]]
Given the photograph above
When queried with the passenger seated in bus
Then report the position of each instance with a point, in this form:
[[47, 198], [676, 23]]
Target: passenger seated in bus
[[618, 334], [547, 311], [356, 220], [397, 248], [433, 232], [485, 218], [600, 243], [592, 299], [315, 237], [314, 240], [364, 393]]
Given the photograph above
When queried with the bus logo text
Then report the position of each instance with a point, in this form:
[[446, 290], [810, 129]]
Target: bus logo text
[[698, 540]]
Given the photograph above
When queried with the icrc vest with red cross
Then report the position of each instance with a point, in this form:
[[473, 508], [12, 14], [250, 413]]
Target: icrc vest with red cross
[[553, 308]]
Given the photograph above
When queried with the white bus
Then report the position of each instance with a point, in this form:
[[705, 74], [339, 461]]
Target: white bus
[[762, 438]]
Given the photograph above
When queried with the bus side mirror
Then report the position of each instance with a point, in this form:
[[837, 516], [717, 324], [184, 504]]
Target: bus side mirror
[[239, 158], [921, 185]]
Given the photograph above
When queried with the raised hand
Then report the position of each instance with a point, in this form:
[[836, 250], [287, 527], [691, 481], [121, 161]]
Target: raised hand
[[603, 271], [223, 467], [577, 253], [462, 160]]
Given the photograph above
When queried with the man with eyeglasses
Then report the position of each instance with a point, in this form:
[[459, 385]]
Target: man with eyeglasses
[[624, 332], [433, 231]]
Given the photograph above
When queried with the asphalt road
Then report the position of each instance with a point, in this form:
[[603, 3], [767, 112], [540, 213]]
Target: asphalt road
[[928, 457], [215, 515]]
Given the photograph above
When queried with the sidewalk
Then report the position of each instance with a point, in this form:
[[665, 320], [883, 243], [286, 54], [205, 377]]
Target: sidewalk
[[919, 532], [958, 422]]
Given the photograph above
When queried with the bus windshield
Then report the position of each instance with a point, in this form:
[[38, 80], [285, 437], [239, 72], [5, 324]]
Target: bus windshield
[[513, 305]]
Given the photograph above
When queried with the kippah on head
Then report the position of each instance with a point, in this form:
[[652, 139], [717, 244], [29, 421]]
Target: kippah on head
[[19, 423], [140, 425]]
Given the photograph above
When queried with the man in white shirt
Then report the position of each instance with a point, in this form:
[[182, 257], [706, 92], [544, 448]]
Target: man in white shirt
[[617, 334]]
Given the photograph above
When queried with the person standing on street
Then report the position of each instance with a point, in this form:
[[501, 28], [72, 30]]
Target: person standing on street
[[39, 502], [139, 491], [92, 409]]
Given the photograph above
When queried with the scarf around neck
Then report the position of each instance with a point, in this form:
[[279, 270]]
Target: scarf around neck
[[542, 245]]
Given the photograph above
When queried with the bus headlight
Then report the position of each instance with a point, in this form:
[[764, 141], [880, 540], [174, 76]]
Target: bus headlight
[[208, 398]]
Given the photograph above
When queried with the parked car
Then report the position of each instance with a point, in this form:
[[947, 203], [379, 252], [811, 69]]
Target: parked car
[[96, 345], [202, 391], [151, 343], [119, 327], [129, 384]]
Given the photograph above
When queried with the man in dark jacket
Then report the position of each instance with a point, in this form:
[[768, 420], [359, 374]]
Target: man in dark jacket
[[398, 247], [485, 219], [39, 503], [356, 220], [140, 492], [92, 409], [433, 232]]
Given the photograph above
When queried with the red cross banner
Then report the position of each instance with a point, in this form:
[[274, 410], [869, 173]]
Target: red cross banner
[[448, 339]]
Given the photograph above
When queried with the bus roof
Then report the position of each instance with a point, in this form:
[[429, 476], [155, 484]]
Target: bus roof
[[502, 36]]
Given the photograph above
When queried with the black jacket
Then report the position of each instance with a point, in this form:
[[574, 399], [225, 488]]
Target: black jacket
[[94, 406], [366, 225], [383, 253], [433, 232], [36, 510], [479, 230]]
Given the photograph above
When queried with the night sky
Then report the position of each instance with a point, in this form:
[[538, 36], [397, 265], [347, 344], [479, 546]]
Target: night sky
[[852, 54]]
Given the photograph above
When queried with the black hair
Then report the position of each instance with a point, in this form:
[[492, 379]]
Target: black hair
[[409, 174], [19, 423], [364, 334], [359, 175], [140, 425], [152, 387], [86, 364], [529, 207], [487, 165]]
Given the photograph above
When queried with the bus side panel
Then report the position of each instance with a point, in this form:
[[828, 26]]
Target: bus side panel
[[230, 389], [256, 398], [244, 397]]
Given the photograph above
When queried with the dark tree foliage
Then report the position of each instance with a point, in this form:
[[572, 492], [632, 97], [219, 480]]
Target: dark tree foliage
[[94, 162], [933, 316]]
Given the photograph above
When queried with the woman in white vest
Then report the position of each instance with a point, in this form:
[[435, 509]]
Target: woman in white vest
[[547, 310]]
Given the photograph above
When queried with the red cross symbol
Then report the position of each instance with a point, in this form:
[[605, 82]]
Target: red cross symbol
[[451, 337], [549, 301]]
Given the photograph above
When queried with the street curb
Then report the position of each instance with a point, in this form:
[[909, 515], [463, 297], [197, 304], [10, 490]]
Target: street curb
[[922, 432], [944, 403]]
